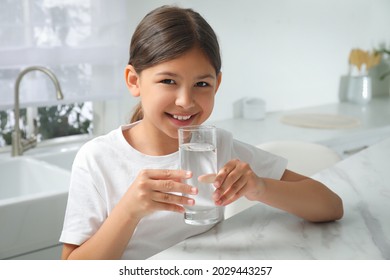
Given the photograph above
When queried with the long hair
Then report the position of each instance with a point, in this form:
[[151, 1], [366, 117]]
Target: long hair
[[165, 34]]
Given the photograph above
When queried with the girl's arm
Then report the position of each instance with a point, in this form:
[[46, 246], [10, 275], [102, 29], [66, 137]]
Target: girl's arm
[[303, 197], [110, 241], [151, 191], [294, 193]]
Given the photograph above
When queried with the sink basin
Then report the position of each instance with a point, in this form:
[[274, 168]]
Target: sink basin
[[24, 178], [63, 158], [33, 197]]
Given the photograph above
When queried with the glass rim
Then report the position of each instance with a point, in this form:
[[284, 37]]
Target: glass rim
[[196, 127]]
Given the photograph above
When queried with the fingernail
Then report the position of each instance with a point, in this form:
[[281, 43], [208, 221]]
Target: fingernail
[[188, 174], [194, 190], [217, 184], [190, 202]]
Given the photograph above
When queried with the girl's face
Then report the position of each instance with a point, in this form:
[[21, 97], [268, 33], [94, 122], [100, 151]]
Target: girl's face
[[175, 93]]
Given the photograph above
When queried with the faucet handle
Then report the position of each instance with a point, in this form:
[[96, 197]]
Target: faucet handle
[[29, 143]]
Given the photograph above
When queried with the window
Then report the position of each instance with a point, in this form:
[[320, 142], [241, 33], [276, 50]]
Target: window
[[50, 122], [83, 42]]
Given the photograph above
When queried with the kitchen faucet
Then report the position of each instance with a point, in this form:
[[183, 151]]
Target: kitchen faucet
[[19, 145]]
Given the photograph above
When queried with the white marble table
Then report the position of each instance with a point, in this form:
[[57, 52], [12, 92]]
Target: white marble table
[[262, 232]]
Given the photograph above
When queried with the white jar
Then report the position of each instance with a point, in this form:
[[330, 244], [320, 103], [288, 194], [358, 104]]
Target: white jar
[[253, 108]]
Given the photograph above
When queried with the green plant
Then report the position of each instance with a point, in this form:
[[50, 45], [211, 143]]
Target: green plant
[[55, 121], [384, 52], [6, 127], [52, 122]]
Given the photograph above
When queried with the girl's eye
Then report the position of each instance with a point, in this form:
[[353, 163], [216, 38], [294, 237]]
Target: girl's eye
[[168, 82], [201, 84]]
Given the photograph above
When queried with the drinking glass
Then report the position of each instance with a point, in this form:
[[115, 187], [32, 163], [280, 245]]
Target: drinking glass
[[198, 154]]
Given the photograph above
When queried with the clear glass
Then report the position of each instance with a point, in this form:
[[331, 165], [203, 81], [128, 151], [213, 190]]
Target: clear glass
[[198, 154]]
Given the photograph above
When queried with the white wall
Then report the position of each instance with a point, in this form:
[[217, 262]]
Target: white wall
[[290, 53]]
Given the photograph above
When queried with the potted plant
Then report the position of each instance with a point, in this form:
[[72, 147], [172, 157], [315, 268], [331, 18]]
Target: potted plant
[[385, 53]]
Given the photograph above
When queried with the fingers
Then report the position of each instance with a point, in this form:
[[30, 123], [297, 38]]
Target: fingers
[[162, 189], [225, 195], [223, 174], [231, 182], [161, 206], [168, 198], [167, 174], [169, 186], [229, 193], [207, 178], [168, 181], [169, 201]]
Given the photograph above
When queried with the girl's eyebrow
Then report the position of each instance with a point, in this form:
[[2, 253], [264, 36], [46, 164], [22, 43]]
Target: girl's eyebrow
[[210, 76], [167, 73]]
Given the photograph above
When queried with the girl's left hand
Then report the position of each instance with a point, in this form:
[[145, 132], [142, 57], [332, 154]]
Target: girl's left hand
[[234, 180]]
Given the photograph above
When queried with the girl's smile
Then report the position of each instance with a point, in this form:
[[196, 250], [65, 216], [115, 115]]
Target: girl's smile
[[181, 120]]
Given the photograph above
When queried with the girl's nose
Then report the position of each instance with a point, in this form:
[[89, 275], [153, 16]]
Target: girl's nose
[[184, 99]]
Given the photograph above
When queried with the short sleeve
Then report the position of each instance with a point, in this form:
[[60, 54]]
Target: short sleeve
[[263, 163], [86, 209]]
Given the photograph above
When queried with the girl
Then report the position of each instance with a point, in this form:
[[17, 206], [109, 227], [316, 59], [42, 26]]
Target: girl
[[125, 196]]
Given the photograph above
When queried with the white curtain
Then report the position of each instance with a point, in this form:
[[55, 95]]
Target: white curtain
[[84, 42]]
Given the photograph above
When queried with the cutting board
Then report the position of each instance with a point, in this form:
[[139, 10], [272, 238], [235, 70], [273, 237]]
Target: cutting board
[[328, 121]]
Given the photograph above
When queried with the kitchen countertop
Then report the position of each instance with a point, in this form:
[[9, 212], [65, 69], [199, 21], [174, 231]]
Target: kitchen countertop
[[262, 232], [372, 117]]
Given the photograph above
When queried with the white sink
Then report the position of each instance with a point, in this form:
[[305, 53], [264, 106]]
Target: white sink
[[26, 178], [63, 158], [33, 195]]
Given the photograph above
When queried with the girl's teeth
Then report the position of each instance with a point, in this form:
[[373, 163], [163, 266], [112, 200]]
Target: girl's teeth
[[181, 118]]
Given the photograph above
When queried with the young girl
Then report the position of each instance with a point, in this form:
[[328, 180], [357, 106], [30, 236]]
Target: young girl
[[125, 196]]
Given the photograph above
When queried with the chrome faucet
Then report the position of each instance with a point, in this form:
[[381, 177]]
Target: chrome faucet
[[20, 145]]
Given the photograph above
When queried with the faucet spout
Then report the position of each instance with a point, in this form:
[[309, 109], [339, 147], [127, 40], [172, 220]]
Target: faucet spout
[[20, 145]]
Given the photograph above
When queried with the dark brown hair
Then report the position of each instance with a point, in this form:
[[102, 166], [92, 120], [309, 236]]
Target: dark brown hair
[[166, 33]]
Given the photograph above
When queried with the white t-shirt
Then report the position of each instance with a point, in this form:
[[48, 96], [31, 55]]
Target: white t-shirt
[[105, 167]]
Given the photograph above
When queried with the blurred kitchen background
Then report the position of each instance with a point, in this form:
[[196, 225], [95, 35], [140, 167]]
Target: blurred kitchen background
[[291, 54]]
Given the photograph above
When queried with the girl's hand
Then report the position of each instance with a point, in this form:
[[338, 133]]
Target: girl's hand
[[234, 180], [158, 190]]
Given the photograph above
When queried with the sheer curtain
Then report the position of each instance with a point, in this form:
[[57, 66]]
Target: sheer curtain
[[84, 42]]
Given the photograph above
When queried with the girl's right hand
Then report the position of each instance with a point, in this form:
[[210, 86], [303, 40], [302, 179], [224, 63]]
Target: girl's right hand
[[159, 190]]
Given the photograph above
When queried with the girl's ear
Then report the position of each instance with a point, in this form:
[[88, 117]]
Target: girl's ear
[[132, 80], [219, 80]]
